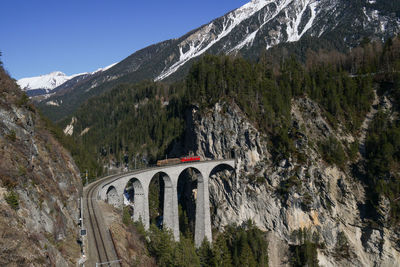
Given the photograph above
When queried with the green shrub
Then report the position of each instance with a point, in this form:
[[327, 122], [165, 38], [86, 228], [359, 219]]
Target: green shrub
[[12, 200], [237, 246], [342, 248], [382, 163], [353, 150], [12, 136], [161, 245], [304, 254], [139, 226], [22, 171], [307, 201], [23, 100], [8, 182], [257, 180], [286, 186], [126, 216], [332, 151]]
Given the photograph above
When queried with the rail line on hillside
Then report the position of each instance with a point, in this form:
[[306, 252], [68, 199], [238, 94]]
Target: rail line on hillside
[[94, 225], [102, 255]]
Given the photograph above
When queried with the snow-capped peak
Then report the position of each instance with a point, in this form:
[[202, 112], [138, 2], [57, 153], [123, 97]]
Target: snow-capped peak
[[56, 73], [52, 80], [47, 81]]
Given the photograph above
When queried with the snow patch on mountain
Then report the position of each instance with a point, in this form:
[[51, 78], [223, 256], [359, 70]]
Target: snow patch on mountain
[[203, 39], [267, 18], [105, 68], [293, 27], [247, 41], [196, 47]]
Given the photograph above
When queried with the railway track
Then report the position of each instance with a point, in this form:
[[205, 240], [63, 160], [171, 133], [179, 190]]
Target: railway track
[[105, 252]]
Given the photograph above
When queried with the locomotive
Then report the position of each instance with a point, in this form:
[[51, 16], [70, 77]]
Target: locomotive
[[172, 161]]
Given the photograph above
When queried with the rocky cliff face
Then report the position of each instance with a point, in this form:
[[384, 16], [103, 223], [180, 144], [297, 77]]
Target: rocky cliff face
[[39, 188], [296, 193]]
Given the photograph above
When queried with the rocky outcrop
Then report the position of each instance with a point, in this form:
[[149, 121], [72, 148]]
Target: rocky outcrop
[[221, 134], [39, 188], [299, 193]]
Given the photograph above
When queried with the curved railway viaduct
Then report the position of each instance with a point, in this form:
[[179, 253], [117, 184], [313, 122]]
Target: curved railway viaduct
[[112, 192]]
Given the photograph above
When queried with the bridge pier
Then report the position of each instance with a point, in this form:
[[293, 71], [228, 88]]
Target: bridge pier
[[175, 213], [170, 216], [203, 219]]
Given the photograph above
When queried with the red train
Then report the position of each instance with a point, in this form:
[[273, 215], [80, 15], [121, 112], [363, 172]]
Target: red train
[[191, 158], [178, 160]]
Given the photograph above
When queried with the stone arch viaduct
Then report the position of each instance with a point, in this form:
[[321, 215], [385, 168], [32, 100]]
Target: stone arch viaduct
[[112, 192]]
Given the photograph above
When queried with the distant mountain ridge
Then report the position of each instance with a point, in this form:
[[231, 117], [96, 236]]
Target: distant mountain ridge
[[249, 30], [45, 84]]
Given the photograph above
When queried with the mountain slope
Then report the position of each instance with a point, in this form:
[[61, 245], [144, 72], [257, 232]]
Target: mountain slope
[[297, 134], [39, 187], [249, 30]]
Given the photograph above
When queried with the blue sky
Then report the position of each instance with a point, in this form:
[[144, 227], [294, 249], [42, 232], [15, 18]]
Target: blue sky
[[41, 36]]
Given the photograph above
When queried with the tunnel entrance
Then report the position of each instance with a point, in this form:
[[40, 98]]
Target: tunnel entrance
[[187, 196]]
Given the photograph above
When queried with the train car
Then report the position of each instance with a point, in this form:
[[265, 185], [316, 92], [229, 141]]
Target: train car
[[190, 159], [171, 161]]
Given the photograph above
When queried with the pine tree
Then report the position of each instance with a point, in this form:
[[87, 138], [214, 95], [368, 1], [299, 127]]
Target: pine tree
[[221, 253]]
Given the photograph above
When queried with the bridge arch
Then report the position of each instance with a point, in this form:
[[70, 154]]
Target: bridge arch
[[202, 224], [134, 196], [112, 196], [221, 176], [164, 186], [194, 170], [188, 182], [221, 167]]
